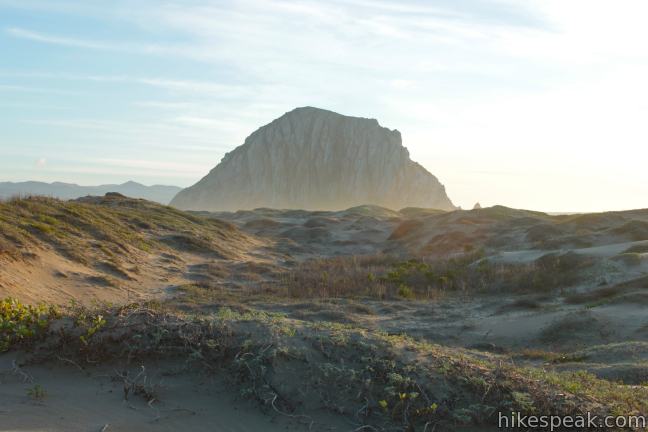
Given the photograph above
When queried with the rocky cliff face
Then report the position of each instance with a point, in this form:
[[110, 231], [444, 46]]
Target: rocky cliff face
[[312, 159]]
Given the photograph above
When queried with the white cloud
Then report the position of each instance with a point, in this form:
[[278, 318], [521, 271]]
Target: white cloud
[[57, 40], [402, 84], [117, 46], [211, 88], [26, 89]]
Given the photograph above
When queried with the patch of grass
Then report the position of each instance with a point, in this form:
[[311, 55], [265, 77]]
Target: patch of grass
[[566, 328], [335, 277], [618, 399], [634, 230], [548, 356], [638, 249], [113, 268], [200, 294], [386, 276], [102, 280], [112, 228], [595, 296], [189, 243], [606, 294], [40, 227], [37, 392], [360, 308], [521, 304], [405, 292]]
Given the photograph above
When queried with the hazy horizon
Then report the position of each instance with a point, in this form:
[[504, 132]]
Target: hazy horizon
[[539, 106]]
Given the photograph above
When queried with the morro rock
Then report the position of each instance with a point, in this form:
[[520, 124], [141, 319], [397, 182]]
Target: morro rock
[[315, 159]]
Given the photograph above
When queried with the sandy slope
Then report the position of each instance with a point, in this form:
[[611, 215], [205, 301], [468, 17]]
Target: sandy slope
[[603, 307], [93, 400], [111, 249], [604, 251]]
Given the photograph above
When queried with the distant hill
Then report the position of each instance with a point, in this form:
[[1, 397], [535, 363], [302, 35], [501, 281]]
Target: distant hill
[[157, 193]]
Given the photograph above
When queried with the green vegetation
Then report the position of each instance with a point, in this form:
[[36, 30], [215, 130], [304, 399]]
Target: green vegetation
[[386, 276], [620, 400], [376, 380], [405, 292], [113, 229], [93, 325], [37, 392], [606, 294], [21, 324], [548, 356]]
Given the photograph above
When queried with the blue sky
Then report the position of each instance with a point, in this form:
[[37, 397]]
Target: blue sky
[[536, 104]]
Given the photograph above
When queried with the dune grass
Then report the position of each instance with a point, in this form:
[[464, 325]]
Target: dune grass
[[112, 230], [391, 277], [375, 380]]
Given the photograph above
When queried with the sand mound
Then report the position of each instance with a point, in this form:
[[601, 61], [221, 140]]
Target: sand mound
[[110, 248]]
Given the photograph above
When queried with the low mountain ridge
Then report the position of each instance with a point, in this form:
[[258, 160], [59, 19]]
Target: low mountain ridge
[[158, 193]]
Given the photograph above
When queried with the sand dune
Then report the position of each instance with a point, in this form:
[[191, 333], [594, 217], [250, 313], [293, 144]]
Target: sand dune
[[267, 319]]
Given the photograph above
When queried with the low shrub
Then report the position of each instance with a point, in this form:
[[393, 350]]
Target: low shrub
[[20, 323]]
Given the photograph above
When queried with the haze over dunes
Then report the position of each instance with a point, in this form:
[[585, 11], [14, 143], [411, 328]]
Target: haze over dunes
[[311, 158]]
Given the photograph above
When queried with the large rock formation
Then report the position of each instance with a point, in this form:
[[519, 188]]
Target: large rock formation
[[312, 159]]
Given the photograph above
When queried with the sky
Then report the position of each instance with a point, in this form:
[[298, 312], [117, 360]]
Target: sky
[[541, 104]]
